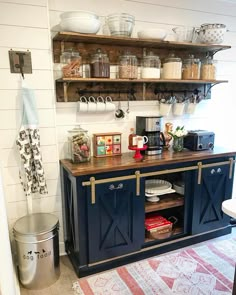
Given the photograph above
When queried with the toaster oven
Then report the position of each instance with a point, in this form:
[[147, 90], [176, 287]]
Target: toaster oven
[[198, 140]]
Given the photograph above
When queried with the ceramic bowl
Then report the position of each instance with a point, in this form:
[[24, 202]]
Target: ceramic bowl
[[84, 25], [158, 34], [78, 13]]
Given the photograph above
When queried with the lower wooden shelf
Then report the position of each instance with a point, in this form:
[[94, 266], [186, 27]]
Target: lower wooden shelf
[[176, 231]]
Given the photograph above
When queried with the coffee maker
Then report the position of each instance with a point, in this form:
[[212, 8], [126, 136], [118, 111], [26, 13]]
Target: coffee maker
[[151, 127]]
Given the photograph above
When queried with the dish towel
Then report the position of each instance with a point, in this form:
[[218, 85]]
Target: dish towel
[[31, 173]]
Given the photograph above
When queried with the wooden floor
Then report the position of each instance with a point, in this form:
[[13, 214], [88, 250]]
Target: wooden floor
[[64, 284]]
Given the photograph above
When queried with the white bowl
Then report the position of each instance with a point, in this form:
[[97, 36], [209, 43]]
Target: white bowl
[[158, 34], [78, 13], [84, 25]]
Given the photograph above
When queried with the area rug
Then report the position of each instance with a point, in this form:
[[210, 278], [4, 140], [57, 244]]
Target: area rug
[[204, 269]]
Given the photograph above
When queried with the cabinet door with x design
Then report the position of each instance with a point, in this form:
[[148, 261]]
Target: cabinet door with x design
[[115, 220], [215, 187]]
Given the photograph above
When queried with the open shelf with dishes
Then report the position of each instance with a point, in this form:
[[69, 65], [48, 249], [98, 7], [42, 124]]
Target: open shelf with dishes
[[70, 89], [164, 216]]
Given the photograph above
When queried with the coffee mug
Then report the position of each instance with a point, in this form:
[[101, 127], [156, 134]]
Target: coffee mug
[[110, 106], [141, 140], [82, 104], [92, 105], [101, 107]]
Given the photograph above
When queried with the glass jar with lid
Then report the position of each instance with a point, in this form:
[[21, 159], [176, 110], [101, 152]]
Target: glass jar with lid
[[151, 66], [191, 68], [79, 145], [128, 66], [208, 69], [172, 67], [72, 64], [100, 65]]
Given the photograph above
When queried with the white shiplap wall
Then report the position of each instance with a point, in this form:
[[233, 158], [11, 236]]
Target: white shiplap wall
[[24, 25]]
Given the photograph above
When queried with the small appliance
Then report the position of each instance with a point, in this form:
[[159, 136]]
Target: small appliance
[[151, 127], [198, 140]]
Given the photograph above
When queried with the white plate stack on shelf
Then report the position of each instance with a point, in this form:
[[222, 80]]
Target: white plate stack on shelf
[[157, 187]]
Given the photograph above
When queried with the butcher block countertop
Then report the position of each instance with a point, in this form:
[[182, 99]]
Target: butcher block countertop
[[126, 161]]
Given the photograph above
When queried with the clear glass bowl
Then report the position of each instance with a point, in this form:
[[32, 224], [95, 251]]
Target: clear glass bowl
[[121, 24], [185, 34]]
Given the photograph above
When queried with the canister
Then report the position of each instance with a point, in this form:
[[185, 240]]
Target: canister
[[100, 65], [208, 69], [79, 145], [72, 64], [151, 66], [191, 68], [172, 67], [37, 247], [128, 66]]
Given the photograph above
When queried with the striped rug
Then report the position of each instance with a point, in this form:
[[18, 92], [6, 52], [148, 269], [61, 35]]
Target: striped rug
[[205, 269]]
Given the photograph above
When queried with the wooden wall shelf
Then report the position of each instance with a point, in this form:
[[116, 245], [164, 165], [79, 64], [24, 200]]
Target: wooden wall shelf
[[123, 41], [69, 89]]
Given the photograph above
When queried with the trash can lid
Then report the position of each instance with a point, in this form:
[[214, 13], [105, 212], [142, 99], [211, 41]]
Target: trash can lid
[[36, 223]]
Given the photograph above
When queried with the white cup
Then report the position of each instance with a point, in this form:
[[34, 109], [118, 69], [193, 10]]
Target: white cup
[[141, 140], [190, 108], [82, 105], [92, 105], [101, 106], [110, 106], [178, 109], [165, 109]]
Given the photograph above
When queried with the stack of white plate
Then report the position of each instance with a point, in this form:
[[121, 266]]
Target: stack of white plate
[[157, 187]]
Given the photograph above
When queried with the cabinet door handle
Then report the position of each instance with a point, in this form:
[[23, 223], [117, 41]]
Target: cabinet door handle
[[231, 166], [119, 186], [137, 173], [199, 180], [93, 195], [213, 171]]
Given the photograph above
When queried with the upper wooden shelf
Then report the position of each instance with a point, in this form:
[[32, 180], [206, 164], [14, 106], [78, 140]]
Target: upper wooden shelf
[[141, 80], [125, 41]]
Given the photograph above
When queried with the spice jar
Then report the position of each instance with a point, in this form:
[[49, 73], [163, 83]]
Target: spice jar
[[79, 145], [72, 64], [128, 66], [191, 68], [172, 67], [208, 69], [151, 65], [100, 65]]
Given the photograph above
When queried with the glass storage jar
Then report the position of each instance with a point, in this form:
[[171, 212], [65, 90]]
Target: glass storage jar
[[172, 67], [151, 66], [191, 68], [208, 69], [79, 145], [100, 65], [72, 64], [128, 66]]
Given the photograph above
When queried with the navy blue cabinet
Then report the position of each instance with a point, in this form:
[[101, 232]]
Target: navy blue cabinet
[[115, 220], [215, 186], [104, 213]]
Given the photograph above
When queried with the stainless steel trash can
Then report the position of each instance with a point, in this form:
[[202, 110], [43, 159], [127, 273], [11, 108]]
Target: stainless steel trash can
[[37, 245]]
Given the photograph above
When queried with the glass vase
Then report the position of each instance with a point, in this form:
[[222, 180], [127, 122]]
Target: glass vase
[[178, 144]]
